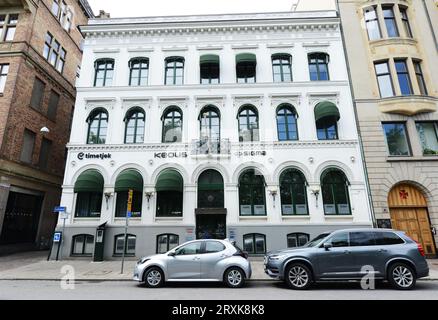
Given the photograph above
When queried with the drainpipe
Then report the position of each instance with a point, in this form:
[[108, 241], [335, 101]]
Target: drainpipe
[[429, 20], [370, 198]]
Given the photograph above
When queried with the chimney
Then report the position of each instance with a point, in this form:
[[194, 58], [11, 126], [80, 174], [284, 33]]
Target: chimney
[[103, 15]]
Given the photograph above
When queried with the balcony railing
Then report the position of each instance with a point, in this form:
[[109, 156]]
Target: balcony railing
[[211, 146]]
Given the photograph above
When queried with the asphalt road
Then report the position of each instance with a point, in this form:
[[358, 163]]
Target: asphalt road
[[51, 290]]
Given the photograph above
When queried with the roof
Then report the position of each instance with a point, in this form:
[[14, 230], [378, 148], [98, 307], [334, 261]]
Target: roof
[[87, 9]]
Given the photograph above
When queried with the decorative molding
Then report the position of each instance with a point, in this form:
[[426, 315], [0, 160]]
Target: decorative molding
[[218, 101], [182, 102], [107, 103], [142, 102], [317, 97], [315, 44], [240, 100], [175, 48], [210, 47], [278, 99], [280, 45], [106, 50], [141, 49], [244, 46]]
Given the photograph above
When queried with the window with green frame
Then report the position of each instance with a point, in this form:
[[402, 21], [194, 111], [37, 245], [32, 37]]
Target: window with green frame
[[248, 124], [287, 123], [104, 72], [293, 193], [318, 66], [254, 243], [139, 70], [282, 67], [174, 73], [334, 185], [129, 179], [210, 69], [135, 126], [166, 242], [82, 245], [252, 198], [172, 125], [97, 126], [89, 190], [169, 188]]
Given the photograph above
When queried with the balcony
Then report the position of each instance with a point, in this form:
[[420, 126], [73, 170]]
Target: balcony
[[208, 147]]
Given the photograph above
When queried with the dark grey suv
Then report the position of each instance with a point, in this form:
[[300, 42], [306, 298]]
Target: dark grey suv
[[350, 255]]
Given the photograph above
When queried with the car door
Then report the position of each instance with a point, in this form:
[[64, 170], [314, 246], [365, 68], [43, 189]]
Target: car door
[[213, 253], [335, 262], [186, 263], [365, 252]]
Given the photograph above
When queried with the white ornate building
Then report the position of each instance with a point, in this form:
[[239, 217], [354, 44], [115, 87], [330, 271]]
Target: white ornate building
[[238, 126]]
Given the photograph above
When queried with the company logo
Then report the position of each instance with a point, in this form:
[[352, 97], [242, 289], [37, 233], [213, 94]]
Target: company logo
[[102, 156], [251, 153], [165, 155]]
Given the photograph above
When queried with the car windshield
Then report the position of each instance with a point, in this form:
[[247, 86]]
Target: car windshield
[[316, 240]]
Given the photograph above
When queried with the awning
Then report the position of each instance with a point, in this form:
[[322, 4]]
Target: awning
[[326, 109], [209, 58], [129, 179], [89, 181], [170, 180], [246, 57]]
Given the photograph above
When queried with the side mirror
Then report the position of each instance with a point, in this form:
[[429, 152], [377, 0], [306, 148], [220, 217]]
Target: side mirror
[[171, 254], [327, 246]]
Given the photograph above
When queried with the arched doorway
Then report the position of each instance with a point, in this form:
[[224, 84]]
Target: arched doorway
[[210, 214], [408, 208]]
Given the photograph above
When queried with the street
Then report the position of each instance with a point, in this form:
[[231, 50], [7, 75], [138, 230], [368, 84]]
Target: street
[[254, 290]]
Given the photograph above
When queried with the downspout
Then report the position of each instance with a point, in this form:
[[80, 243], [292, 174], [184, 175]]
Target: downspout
[[429, 20], [370, 198]]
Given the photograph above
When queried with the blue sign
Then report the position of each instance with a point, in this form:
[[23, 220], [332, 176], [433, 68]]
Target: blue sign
[[60, 209], [129, 214], [57, 237]]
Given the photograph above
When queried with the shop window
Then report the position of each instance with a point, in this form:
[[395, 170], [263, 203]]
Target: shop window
[[169, 189], [127, 244], [254, 243], [252, 193], [335, 195], [295, 240], [293, 193], [166, 242], [82, 245], [89, 192], [126, 181]]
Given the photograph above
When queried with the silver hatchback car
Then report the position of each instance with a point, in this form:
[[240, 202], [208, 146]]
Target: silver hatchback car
[[199, 260], [350, 255]]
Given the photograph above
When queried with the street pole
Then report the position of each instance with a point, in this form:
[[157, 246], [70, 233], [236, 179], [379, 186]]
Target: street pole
[[128, 214]]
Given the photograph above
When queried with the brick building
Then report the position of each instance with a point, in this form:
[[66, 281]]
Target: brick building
[[40, 56]]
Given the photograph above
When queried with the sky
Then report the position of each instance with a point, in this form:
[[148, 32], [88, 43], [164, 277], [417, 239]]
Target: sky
[[144, 8]]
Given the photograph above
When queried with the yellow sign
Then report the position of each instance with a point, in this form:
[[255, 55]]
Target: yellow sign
[[130, 194]]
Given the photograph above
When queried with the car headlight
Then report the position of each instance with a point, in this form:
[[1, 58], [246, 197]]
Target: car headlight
[[276, 257], [142, 260]]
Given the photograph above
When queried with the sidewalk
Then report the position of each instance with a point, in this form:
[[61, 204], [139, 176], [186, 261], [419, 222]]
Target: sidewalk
[[36, 267]]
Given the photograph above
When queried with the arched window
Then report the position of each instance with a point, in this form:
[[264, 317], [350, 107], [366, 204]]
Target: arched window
[[104, 72], [169, 189], [129, 180], [97, 126], [252, 193], [248, 124], [282, 67], [135, 125], [139, 70], [172, 125], [318, 66], [210, 189], [174, 71], [287, 123], [297, 239], [254, 243], [327, 116], [210, 69], [127, 244], [82, 245], [334, 185], [293, 193], [166, 242], [89, 190], [246, 64], [210, 123]]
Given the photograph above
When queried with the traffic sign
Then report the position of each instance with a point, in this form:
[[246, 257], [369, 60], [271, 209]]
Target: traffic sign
[[60, 209], [57, 237]]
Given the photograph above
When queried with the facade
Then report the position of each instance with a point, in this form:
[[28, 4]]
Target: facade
[[221, 126], [40, 52], [392, 50]]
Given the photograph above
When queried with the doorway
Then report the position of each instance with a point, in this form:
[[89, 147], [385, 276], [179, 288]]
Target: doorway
[[210, 225], [408, 209]]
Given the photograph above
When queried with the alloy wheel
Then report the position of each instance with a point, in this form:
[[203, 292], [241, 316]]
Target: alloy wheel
[[298, 276], [234, 277], [403, 276], [153, 278]]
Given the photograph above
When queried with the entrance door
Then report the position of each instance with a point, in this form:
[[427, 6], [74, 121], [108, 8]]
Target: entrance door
[[211, 226], [21, 220], [409, 213]]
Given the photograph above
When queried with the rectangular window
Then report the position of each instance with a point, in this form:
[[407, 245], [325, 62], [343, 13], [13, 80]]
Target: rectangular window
[[420, 77], [396, 139], [54, 53], [28, 146], [46, 146], [403, 77], [55, 7], [4, 69], [372, 23], [384, 79], [428, 134], [8, 26], [37, 94], [53, 105], [391, 25], [405, 21]]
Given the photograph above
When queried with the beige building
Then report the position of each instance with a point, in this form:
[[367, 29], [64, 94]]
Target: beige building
[[392, 50]]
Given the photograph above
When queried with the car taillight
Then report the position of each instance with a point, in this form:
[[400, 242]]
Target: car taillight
[[420, 248]]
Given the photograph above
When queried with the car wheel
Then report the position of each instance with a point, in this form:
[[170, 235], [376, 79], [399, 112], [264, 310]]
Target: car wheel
[[153, 277], [234, 278], [401, 276], [298, 276]]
